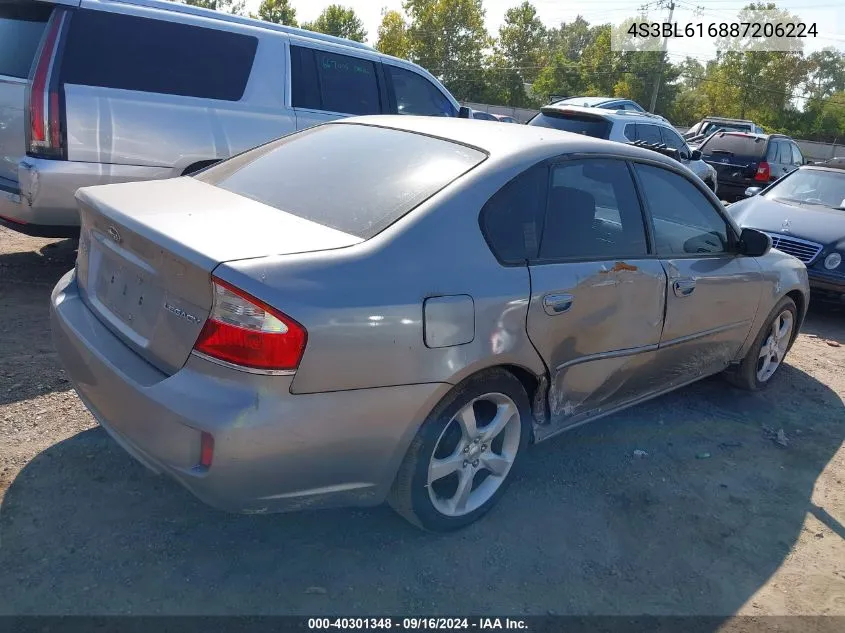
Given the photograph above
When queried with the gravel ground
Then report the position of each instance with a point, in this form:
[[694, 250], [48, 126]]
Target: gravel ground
[[716, 519]]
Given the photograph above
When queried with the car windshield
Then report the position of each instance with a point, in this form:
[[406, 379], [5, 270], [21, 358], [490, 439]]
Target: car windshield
[[358, 179], [811, 186]]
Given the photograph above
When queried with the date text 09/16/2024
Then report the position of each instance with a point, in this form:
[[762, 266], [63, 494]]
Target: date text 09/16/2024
[[723, 29], [417, 624]]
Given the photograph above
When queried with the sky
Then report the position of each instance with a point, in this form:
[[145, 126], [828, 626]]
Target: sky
[[830, 22]]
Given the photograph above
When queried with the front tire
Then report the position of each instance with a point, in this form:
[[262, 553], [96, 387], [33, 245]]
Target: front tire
[[463, 457], [765, 356]]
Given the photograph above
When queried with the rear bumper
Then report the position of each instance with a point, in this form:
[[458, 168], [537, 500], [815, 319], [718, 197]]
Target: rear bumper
[[273, 451], [44, 203]]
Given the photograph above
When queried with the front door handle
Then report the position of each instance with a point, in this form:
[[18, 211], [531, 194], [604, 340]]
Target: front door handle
[[557, 303], [683, 287]]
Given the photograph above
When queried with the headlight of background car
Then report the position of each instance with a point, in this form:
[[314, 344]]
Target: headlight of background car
[[832, 261]]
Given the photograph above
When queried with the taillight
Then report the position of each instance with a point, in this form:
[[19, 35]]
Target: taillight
[[246, 332], [45, 137], [763, 172]]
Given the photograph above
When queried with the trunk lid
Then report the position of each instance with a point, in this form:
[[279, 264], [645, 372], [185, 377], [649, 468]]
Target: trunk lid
[[734, 155], [22, 25], [733, 169], [147, 251]]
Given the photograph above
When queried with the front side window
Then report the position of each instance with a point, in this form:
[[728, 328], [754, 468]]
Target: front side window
[[416, 95], [111, 50], [685, 222], [328, 81], [672, 140], [592, 212], [512, 217]]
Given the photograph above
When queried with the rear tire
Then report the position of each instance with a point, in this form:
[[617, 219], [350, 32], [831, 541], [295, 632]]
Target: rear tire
[[464, 455], [766, 355]]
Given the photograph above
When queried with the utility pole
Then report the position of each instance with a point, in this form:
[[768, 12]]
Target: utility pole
[[659, 76]]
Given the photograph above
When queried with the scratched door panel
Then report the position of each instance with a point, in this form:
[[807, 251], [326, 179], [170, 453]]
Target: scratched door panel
[[599, 349]]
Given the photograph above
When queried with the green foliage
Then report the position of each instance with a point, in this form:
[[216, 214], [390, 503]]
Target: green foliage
[[339, 21], [227, 6], [277, 11], [393, 35]]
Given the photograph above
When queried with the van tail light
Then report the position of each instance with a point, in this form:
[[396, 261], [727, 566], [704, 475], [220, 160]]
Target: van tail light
[[244, 331], [45, 136], [763, 172]]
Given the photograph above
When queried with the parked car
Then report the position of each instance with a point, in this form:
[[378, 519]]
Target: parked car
[[745, 160], [606, 103], [279, 343], [148, 89], [708, 125], [506, 119], [480, 115], [804, 213], [624, 127]]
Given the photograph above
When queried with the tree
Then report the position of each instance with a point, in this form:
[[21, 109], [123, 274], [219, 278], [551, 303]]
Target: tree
[[227, 6], [339, 21], [449, 39], [393, 35], [519, 52], [277, 11]]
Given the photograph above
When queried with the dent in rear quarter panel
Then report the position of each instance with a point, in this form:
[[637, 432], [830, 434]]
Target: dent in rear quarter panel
[[363, 305], [781, 274]]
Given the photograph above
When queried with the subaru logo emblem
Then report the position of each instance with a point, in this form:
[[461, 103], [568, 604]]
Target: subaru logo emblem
[[114, 234]]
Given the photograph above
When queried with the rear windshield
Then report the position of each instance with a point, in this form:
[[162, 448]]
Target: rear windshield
[[21, 27], [572, 122], [729, 127], [734, 145], [357, 179]]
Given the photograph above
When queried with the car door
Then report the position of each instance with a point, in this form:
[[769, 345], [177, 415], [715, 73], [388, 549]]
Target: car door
[[326, 85], [713, 292], [597, 297]]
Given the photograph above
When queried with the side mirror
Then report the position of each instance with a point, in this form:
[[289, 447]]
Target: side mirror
[[696, 154], [754, 243], [464, 113], [752, 191]]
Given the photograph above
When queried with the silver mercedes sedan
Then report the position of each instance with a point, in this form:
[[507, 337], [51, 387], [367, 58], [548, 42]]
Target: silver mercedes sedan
[[394, 308]]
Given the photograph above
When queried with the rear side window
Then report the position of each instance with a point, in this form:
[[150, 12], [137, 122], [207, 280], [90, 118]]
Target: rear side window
[[512, 218], [577, 123], [773, 152], [131, 53], [797, 158], [358, 179], [593, 212], [323, 80], [649, 133], [21, 27], [416, 95], [735, 145]]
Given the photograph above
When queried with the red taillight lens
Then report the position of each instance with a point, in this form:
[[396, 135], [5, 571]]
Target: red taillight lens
[[206, 449], [763, 172], [45, 125], [247, 332]]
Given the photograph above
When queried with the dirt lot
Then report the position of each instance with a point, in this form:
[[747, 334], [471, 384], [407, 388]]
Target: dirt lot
[[716, 519]]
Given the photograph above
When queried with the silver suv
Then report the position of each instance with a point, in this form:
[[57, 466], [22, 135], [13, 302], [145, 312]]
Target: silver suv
[[625, 126], [104, 91]]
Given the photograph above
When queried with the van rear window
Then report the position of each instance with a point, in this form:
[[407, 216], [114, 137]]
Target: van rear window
[[21, 27], [358, 179], [111, 50]]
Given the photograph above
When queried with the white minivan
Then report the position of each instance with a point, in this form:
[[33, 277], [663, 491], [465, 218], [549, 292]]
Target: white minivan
[[103, 91]]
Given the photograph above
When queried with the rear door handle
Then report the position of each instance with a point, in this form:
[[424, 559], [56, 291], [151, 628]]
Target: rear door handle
[[557, 303], [683, 287]]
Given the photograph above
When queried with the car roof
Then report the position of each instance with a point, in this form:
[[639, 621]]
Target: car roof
[[590, 100], [503, 141], [614, 115], [751, 134]]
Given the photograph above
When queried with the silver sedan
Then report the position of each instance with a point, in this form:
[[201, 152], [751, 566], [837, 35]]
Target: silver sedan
[[394, 308]]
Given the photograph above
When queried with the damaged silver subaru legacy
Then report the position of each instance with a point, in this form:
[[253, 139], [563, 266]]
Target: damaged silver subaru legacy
[[394, 308]]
